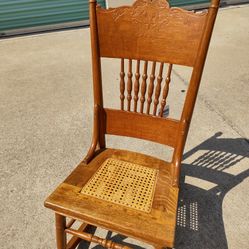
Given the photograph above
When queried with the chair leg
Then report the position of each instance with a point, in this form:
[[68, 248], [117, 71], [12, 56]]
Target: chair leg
[[60, 224]]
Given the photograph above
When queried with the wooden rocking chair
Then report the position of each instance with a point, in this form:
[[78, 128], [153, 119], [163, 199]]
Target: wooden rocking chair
[[130, 193]]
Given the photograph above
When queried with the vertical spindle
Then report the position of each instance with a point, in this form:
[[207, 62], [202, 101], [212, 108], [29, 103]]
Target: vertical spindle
[[129, 86], [136, 85], [143, 86], [158, 88], [151, 87], [166, 89], [122, 84]]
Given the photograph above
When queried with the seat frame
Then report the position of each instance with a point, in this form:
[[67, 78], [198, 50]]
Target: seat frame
[[128, 123]]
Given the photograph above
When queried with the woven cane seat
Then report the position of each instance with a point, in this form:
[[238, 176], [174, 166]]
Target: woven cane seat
[[128, 184]]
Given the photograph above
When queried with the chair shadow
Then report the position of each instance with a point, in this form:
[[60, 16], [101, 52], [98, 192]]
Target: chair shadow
[[199, 218]]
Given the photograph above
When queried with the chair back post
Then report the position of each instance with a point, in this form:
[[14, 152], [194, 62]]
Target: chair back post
[[96, 71], [193, 89]]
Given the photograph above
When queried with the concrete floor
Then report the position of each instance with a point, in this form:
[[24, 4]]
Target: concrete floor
[[45, 127]]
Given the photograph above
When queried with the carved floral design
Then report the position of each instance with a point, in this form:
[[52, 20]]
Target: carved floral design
[[150, 16]]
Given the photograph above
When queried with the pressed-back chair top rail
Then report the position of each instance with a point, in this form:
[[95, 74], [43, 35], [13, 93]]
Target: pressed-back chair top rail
[[150, 31]]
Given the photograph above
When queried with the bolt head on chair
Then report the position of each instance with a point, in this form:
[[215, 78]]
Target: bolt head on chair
[[130, 193]]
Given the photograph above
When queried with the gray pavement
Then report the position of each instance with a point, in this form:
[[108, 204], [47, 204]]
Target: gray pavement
[[45, 130]]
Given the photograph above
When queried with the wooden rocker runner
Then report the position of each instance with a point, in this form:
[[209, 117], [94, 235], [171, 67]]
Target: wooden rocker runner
[[130, 193]]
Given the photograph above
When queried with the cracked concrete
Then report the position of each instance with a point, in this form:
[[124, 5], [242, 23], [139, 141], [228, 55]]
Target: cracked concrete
[[45, 127]]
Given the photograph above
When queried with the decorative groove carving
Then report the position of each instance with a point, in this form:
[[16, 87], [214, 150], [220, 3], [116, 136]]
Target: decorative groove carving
[[158, 88], [153, 26], [136, 85], [151, 87], [129, 86], [143, 5], [143, 86], [122, 84], [166, 89]]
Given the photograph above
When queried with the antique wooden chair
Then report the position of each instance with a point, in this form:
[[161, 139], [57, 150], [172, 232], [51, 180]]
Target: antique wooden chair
[[130, 193]]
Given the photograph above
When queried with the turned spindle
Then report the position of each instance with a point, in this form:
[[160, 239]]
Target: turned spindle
[[158, 88], [166, 89], [129, 86], [151, 87], [136, 85], [143, 86], [122, 84]]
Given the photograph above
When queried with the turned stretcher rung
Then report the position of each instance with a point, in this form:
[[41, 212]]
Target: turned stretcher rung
[[92, 238]]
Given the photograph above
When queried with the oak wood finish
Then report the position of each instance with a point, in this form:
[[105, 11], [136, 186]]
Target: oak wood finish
[[158, 226], [136, 125], [60, 223], [166, 90], [91, 238], [158, 88], [129, 86], [122, 84], [148, 32], [143, 87], [151, 87], [136, 85], [96, 68]]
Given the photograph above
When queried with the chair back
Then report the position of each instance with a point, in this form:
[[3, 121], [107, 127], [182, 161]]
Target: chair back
[[152, 35]]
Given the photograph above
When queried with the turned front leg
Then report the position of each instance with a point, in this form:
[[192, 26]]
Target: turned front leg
[[60, 224]]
